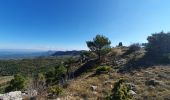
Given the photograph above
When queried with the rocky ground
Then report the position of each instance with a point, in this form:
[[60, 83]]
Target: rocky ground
[[149, 84]]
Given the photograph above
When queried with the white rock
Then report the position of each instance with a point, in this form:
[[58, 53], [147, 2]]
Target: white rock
[[111, 86], [1, 96], [93, 88], [16, 95], [58, 99], [94, 92], [132, 92]]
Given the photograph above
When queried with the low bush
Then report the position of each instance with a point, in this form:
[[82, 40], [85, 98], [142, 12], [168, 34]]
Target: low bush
[[120, 91], [134, 47], [158, 47], [103, 69], [56, 74], [18, 83], [55, 90]]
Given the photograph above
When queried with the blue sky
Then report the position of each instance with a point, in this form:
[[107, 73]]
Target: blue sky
[[67, 24]]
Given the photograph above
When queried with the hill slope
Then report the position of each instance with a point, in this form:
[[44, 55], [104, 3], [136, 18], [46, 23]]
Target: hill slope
[[149, 83]]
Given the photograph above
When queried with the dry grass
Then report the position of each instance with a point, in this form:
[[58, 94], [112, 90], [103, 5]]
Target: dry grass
[[80, 88], [5, 79]]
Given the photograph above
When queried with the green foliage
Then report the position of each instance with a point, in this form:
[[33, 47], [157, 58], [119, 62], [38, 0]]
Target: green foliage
[[28, 66], [100, 45], [102, 69], [85, 55], [120, 91], [50, 76], [18, 83], [55, 90], [159, 45], [55, 75], [60, 70], [69, 62]]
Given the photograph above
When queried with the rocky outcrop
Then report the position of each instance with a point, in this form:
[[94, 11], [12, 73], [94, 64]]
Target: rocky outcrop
[[16, 95]]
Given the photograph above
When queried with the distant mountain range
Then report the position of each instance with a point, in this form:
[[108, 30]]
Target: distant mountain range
[[6, 54], [67, 53]]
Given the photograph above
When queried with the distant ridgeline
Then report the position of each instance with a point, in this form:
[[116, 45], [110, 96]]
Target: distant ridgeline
[[23, 54], [67, 53], [19, 54]]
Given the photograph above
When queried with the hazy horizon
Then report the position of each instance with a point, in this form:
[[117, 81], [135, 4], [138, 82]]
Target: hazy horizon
[[68, 24]]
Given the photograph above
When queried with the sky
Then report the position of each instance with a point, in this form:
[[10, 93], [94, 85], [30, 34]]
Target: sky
[[68, 24]]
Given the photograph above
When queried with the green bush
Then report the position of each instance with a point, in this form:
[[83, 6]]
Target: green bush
[[158, 45], [55, 75], [55, 90], [18, 83], [120, 92], [103, 69]]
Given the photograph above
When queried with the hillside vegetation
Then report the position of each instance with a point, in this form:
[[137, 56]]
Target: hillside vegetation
[[136, 72], [4, 81]]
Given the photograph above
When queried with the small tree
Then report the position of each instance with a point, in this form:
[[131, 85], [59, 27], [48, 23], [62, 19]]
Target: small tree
[[120, 44], [100, 45], [18, 83]]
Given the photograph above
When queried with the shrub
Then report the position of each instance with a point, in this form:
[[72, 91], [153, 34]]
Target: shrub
[[18, 83], [55, 75], [50, 76], [159, 45], [134, 47], [120, 91], [55, 90], [103, 69]]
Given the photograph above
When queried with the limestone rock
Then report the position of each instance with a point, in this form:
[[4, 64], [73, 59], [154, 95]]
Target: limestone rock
[[16, 95], [93, 88], [132, 92]]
